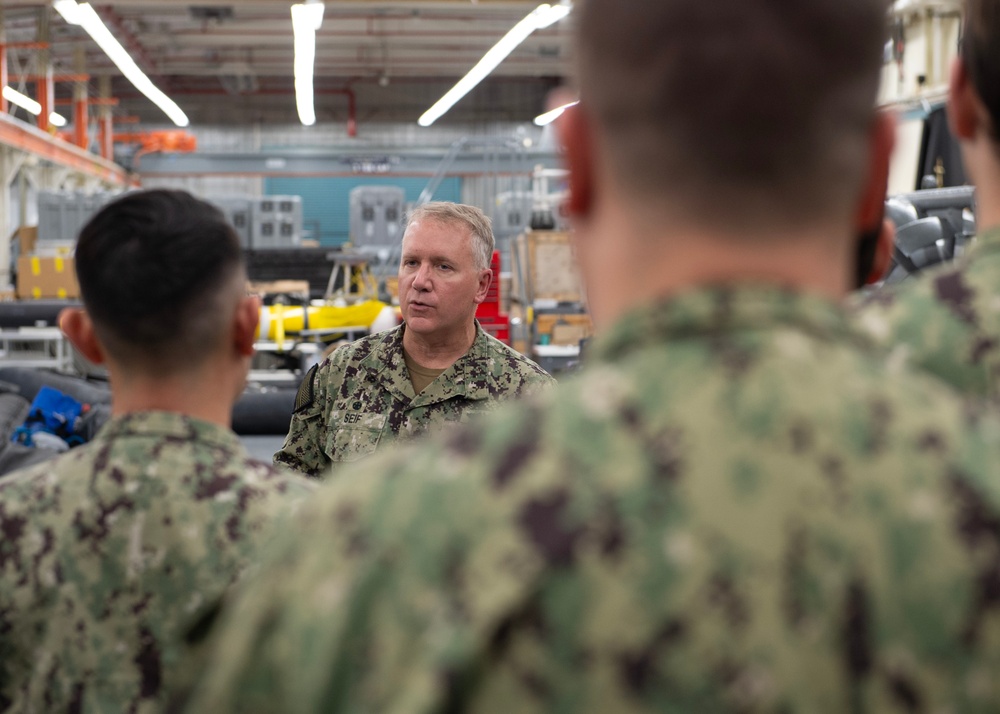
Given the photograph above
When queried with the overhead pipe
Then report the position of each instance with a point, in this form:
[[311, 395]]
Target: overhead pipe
[[352, 109]]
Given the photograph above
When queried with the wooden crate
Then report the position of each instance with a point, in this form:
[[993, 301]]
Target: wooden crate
[[294, 288], [547, 267], [563, 329]]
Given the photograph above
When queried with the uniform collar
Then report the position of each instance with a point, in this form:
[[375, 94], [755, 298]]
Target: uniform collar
[[726, 309], [168, 425], [385, 364]]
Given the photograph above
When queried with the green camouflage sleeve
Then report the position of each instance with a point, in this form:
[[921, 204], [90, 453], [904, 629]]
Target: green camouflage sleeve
[[303, 450], [536, 383], [945, 323]]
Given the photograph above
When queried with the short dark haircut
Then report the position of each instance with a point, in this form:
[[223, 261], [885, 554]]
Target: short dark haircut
[[981, 55], [158, 273], [734, 110]]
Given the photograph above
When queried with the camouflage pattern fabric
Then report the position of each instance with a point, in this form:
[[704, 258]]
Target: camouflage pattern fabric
[[946, 321], [361, 398], [110, 550], [734, 507]]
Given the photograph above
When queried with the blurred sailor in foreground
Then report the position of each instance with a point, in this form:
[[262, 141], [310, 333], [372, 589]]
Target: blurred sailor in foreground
[[735, 506]]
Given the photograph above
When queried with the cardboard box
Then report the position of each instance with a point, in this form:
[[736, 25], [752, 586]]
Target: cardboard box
[[563, 329], [46, 277], [27, 237], [544, 268]]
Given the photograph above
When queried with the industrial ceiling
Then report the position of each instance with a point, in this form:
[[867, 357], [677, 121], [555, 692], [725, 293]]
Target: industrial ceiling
[[231, 64]]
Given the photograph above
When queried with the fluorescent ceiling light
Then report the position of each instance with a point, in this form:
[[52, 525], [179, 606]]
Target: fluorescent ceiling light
[[85, 16], [538, 19], [550, 116], [69, 10], [25, 102], [306, 20]]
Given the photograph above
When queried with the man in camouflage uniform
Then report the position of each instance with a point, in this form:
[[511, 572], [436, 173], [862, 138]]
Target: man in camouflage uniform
[[948, 321], [109, 551], [735, 506], [439, 367]]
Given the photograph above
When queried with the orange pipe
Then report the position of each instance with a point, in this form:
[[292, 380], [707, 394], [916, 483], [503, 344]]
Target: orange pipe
[[80, 123], [46, 97], [105, 137]]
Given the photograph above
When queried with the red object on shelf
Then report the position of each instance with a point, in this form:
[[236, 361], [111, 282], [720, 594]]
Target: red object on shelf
[[496, 324], [488, 313], [488, 309]]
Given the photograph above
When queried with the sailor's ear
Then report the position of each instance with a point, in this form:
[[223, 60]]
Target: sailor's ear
[[76, 324]]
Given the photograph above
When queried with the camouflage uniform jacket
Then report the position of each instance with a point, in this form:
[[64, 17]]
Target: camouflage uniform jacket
[[734, 507], [947, 321], [361, 398], [109, 550]]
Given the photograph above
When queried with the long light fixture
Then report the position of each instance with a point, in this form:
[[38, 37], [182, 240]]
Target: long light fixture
[[538, 19], [553, 114], [27, 103], [307, 18], [85, 16]]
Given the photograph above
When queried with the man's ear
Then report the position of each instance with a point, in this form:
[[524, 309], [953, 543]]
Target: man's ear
[[485, 280], [883, 252], [245, 323], [963, 103], [575, 137], [76, 324], [882, 139]]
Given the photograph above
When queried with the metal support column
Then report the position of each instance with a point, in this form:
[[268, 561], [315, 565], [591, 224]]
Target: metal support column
[[44, 86], [10, 164], [105, 127], [4, 78]]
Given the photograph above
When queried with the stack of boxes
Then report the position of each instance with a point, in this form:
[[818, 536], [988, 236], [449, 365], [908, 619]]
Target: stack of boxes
[[548, 298], [47, 276], [489, 314], [45, 267]]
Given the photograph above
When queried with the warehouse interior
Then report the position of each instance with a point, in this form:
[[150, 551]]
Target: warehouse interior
[[317, 182]]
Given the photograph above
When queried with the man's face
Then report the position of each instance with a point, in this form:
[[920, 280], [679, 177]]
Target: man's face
[[439, 283]]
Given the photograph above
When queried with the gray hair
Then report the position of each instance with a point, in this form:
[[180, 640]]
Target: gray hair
[[478, 223]]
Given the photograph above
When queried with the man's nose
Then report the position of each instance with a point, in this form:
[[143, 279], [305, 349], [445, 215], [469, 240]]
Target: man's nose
[[422, 279]]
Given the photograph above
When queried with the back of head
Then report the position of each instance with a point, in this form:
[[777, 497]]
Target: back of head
[[981, 55], [734, 110], [160, 273], [477, 222]]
